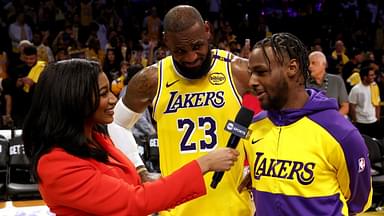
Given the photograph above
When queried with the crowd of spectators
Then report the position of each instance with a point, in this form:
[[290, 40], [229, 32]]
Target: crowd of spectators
[[128, 33]]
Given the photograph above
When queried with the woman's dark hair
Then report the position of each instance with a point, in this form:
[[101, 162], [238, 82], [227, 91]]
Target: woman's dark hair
[[286, 45], [65, 97]]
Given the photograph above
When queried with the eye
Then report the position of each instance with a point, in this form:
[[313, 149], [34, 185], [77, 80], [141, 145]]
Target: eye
[[197, 46], [179, 51], [103, 93], [258, 72]]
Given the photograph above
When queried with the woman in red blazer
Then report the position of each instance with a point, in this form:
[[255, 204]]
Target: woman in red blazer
[[79, 170]]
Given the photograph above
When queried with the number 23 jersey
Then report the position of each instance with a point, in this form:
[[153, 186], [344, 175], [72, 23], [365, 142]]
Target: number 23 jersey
[[190, 116]]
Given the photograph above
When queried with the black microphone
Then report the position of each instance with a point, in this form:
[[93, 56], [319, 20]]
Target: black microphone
[[239, 129]]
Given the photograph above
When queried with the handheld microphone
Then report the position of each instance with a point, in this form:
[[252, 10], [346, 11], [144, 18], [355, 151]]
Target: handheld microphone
[[239, 129]]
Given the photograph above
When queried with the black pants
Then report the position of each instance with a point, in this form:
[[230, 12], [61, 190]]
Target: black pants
[[372, 129]]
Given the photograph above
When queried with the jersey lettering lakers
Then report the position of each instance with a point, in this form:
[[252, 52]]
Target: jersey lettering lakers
[[191, 115]]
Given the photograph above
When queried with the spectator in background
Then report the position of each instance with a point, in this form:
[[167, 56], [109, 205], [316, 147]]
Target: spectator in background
[[44, 53], [137, 56], [93, 50], [62, 54], [111, 64], [352, 67], [332, 85], [118, 84], [18, 88], [3, 62], [18, 31], [152, 24], [364, 99], [338, 58]]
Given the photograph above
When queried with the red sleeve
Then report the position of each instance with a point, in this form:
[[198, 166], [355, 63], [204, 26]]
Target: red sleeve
[[79, 184], [251, 102]]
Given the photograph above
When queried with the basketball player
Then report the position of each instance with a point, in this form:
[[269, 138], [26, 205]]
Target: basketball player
[[305, 158], [194, 92]]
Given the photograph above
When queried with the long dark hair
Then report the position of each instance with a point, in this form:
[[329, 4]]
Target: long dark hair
[[66, 95]]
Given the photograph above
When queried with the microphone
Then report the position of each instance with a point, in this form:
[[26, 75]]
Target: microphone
[[239, 129]]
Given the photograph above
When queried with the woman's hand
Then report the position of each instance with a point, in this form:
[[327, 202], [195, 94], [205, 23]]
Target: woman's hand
[[218, 160]]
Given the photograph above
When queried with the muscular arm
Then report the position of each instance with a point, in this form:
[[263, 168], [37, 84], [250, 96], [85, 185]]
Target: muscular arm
[[140, 92], [240, 74]]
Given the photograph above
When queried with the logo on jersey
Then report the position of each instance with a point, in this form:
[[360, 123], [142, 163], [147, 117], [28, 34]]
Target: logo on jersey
[[284, 169], [254, 141], [216, 78], [169, 84], [361, 165], [196, 99]]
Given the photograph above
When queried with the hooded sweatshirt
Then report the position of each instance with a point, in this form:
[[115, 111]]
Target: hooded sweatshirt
[[308, 161]]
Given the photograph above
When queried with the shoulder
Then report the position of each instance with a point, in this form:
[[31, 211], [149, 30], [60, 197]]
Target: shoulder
[[356, 88], [145, 80], [239, 67], [59, 159], [148, 74], [334, 77], [335, 124], [239, 64]]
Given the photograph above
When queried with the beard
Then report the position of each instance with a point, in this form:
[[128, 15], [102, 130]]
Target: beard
[[196, 72], [277, 101]]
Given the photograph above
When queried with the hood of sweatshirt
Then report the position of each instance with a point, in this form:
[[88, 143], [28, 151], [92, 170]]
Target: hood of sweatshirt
[[316, 102]]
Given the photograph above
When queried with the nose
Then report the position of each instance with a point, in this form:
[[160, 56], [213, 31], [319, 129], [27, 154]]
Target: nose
[[253, 80], [190, 57], [112, 98]]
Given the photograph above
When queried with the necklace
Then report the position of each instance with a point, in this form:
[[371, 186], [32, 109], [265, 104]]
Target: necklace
[[323, 86]]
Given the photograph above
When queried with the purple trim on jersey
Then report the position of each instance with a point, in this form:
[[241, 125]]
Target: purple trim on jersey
[[214, 59], [354, 149], [229, 71], [268, 204], [160, 80], [259, 116]]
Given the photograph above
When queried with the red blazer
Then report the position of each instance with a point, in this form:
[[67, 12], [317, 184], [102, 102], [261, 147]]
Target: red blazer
[[74, 186]]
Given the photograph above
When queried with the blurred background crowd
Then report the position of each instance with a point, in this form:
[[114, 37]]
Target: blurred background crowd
[[126, 35]]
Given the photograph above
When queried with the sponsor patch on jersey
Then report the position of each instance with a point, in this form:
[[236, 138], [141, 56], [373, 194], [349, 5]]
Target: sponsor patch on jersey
[[217, 78], [361, 165]]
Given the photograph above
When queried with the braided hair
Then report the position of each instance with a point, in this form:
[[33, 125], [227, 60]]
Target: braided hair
[[286, 45]]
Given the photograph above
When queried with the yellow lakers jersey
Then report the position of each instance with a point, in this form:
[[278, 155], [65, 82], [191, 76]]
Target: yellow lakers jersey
[[191, 115]]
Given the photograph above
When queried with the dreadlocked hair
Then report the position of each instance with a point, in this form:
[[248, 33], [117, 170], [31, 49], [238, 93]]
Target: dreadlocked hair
[[286, 44]]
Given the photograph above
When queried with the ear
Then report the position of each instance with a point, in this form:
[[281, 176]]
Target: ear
[[207, 29], [165, 38], [293, 68]]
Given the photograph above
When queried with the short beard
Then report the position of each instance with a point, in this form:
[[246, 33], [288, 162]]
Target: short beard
[[194, 73], [278, 102]]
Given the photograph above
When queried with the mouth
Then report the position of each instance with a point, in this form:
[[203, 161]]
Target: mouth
[[193, 65], [109, 111], [259, 92]]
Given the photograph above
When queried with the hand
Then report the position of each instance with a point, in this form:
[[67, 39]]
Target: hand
[[218, 160], [27, 81], [145, 175], [19, 82], [246, 183], [148, 177]]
